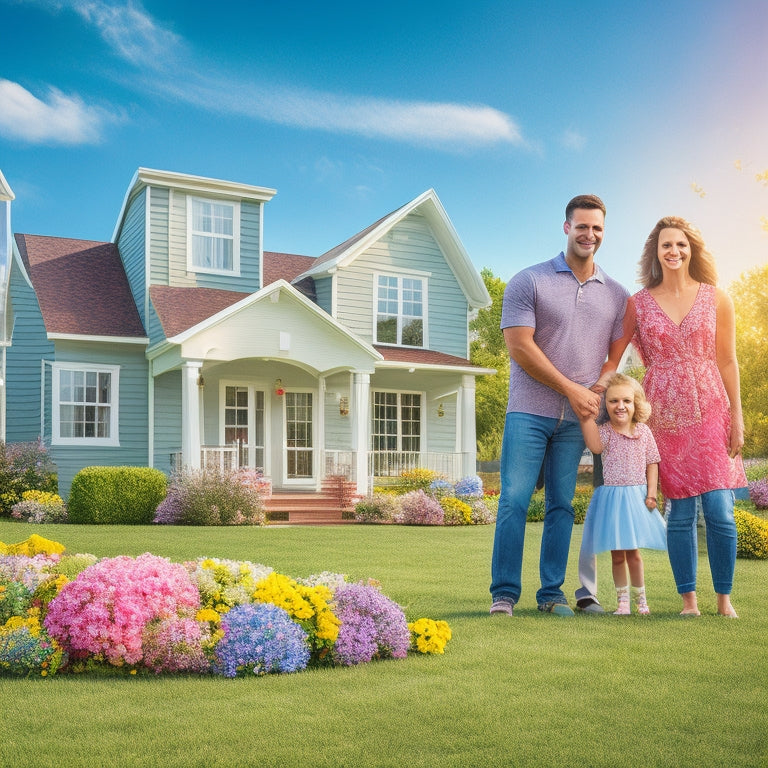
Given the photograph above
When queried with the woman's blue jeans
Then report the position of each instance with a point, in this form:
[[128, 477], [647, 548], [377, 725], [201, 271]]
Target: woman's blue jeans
[[530, 441], [682, 543]]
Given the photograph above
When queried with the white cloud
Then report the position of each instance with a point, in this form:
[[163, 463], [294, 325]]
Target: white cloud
[[61, 119], [573, 140]]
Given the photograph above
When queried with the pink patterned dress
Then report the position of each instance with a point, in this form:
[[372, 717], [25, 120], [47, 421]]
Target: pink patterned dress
[[691, 416]]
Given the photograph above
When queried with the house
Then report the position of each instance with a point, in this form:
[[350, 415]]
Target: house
[[182, 342]]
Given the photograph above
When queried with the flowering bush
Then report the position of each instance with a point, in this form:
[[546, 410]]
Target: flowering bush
[[379, 508], [758, 493], [106, 609], [223, 584], [211, 497], [484, 510], [751, 535], [40, 507], [26, 649], [259, 639], [456, 512], [174, 644], [24, 467], [418, 479], [308, 606], [372, 626], [440, 488], [34, 545], [419, 509], [469, 487], [429, 636]]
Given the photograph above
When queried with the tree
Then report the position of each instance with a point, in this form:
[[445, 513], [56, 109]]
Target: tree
[[488, 350], [750, 299]]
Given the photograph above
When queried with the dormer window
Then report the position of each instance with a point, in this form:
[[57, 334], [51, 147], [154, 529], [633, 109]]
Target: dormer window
[[213, 234], [400, 311]]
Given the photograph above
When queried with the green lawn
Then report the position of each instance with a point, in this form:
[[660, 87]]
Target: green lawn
[[532, 690]]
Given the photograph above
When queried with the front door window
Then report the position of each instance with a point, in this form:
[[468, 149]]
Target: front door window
[[298, 431], [244, 424]]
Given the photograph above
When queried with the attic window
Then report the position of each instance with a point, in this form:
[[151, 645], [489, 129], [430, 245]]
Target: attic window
[[213, 231], [400, 311]]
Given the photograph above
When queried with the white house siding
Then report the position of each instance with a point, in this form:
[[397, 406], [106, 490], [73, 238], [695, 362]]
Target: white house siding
[[408, 245], [167, 418], [132, 428], [159, 236], [176, 250], [29, 345], [131, 247], [338, 430]]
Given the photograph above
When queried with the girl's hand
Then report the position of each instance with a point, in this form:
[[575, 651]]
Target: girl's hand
[[650, 502]]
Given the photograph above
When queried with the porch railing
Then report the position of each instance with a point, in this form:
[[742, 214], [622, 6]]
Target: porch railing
[[380, 463]]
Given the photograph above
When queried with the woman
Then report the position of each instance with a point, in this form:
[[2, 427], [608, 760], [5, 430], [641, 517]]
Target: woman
[[683, 326]]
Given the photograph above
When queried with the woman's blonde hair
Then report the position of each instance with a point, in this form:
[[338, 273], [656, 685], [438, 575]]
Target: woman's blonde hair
[[702, 265], [642, 406]]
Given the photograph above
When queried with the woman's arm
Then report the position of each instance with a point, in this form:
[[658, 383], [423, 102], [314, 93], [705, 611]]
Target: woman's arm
[[652, 479], [725, 341]]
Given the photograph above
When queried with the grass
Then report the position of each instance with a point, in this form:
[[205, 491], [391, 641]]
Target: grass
[[531, 690]]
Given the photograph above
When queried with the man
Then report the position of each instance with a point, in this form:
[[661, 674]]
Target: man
[[559, 320]]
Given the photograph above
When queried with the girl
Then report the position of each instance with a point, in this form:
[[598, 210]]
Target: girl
[[622, 515]]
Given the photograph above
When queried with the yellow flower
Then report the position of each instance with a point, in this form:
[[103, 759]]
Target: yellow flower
[[429, 636], [208, 614]]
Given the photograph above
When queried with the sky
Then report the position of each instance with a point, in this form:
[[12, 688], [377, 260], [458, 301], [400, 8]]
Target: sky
[[507, 109]]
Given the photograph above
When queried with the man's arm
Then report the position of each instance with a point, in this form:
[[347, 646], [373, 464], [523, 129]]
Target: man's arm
[[530, 357]]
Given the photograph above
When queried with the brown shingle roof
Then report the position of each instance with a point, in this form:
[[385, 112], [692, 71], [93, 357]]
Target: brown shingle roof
[[81, 286], [421, 356], [181, 308], [285, 266]]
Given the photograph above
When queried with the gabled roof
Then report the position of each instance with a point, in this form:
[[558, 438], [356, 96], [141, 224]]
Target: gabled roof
[[181, 308], [425, 358], [428, 205], [81, 286], [6, 193]]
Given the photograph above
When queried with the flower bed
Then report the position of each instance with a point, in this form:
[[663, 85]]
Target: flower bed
[[74, 613]]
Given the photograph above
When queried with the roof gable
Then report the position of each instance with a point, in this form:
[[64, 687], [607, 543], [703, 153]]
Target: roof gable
[[81, 286], [430, 207]]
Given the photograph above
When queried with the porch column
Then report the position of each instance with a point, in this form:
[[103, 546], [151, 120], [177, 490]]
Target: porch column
[[190, 415], [466, 437], [361, 428]]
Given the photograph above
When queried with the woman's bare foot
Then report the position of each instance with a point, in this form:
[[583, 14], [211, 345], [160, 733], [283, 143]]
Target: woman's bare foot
[[724, 607], [690, 604]]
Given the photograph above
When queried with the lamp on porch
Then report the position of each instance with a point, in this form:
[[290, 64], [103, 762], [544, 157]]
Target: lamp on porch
[[344, 406], [279, 389], [440, 411]]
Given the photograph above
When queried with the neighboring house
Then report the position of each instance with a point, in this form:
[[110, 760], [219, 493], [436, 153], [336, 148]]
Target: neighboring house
[[183, 343]]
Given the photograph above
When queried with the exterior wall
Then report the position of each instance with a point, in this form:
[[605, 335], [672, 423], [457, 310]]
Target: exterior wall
[[167, 419], [175, 254], [131, 247], [408, 246], [29, 345], [338, 428], [132, 428]]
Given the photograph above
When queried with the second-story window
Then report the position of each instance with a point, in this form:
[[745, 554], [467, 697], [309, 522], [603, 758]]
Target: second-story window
[[400, 311], [213, 229]]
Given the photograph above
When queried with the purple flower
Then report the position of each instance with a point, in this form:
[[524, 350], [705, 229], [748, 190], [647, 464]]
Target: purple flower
[[372, 626], [260, 638]]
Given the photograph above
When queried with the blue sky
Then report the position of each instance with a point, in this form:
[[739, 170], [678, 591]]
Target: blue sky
[[350, 110]]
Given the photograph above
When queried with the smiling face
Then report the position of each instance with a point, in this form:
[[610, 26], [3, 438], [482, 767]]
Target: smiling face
[[620, 404], [585, 233], [674, 250]]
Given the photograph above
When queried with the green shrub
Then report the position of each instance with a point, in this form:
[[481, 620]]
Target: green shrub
[[24, 467], [40, 507], [752, 535], [211, 497], [116, 495], [581, 499]]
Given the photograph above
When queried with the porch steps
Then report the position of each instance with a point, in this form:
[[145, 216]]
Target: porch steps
[[333, 505]]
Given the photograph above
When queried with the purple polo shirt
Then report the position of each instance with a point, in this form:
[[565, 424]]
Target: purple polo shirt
[[574, 325]]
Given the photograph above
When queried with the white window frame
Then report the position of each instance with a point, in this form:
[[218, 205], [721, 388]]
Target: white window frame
[[235, 238], [422, 277], [422, 419], [114, 402]]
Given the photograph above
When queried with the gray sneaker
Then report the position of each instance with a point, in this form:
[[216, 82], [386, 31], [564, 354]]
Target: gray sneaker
[[560, 609], [504, 605], [588, 605]]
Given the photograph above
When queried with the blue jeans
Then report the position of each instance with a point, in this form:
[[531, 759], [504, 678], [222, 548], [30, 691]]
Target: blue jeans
[[682, 541], [528, 442]]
